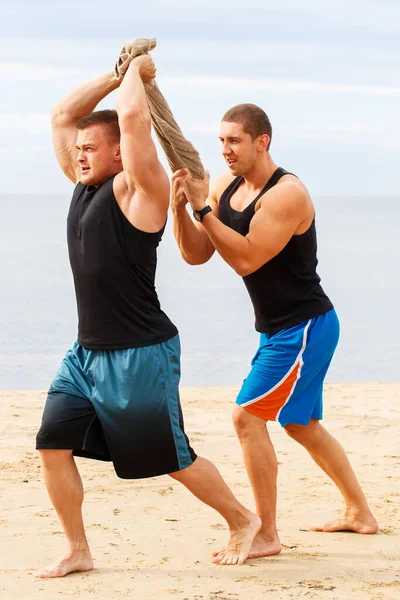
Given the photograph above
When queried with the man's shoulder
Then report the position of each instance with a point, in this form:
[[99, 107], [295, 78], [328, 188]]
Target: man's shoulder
[[220, 183], [291, 188], [288, 197], [291, 181]]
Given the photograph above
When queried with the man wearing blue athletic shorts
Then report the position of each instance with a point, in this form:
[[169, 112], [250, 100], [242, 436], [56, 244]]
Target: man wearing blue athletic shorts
[[115, 396], [261, 220]]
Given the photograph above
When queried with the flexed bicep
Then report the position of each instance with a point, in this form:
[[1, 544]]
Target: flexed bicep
[[64, 144], [77, 103], [274, 224]]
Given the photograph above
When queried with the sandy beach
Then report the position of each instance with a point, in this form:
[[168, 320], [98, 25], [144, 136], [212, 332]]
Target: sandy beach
[[151, 539]]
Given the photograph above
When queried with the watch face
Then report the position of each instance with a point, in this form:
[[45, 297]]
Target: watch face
[[200, 214]]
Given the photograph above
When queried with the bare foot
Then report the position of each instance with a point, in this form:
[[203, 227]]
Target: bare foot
[[71, 563], [261, 546], [365, 524], [265, 547], [240, 543]]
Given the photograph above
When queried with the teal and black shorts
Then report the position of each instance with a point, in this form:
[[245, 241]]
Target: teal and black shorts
[[121, 406]]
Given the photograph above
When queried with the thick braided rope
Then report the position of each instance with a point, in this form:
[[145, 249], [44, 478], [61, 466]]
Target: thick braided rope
[[179, 151]]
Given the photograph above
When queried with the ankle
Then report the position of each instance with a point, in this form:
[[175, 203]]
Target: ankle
[[78, 548], [355, 511], [238, 519], [268, 533]]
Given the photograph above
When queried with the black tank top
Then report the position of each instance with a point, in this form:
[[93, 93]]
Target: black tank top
[[286, 290], [114, 266]]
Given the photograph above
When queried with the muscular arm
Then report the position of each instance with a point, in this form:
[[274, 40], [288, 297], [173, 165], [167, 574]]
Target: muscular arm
[[195, 245], [146, 179], [81, 101], [282, 212]]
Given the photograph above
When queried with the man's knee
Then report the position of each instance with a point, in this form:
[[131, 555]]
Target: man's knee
[[245, 422], [304, 434], [51, 458], [180, 475]]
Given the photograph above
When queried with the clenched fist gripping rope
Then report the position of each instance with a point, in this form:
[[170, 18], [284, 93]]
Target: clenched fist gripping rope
[[179, 151]]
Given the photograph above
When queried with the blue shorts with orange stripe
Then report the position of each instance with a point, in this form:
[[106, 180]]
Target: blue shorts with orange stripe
[[286, 380]]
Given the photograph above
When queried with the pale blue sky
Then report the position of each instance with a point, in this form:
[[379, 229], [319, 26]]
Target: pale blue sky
[[327, 74]]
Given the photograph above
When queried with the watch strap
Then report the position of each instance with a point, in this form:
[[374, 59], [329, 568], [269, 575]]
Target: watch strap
[[200, 214]]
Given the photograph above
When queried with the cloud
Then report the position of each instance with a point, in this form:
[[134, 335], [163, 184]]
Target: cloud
[[18, 71], [33, 124], [24, 150], [354, 133], [362, 134], [210, 19], [289, 135], [255, 85], [348, 62], [58, 49]]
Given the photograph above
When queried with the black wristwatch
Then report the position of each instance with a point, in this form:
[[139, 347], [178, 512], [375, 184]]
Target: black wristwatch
[[200, 214]]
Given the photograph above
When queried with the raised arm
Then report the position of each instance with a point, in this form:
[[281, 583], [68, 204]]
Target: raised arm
[[81, 101], [146, 180]]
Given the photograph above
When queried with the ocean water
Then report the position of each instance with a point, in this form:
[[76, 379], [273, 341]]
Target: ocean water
[[359, 258]]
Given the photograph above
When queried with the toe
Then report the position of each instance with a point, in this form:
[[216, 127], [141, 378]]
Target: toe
[[217, 559]]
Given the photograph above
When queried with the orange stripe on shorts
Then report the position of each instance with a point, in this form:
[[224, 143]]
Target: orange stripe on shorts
[[268, 406]]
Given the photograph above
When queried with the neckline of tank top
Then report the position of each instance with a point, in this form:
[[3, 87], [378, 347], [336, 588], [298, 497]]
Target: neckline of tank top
[[276, 175], [94, 188]]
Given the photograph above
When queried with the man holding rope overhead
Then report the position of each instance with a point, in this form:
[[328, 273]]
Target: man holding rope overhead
[[261, 220], [115, 396]]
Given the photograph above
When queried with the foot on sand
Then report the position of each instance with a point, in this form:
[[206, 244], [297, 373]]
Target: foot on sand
[[261, 546], [360, 523], [71, 563], [240, 543]]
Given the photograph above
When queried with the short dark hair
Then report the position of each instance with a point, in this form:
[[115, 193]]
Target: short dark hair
[[102, 117], [252, 117]]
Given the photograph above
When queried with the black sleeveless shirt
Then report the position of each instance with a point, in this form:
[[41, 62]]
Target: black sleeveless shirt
[[114, 266], [286, 290]]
